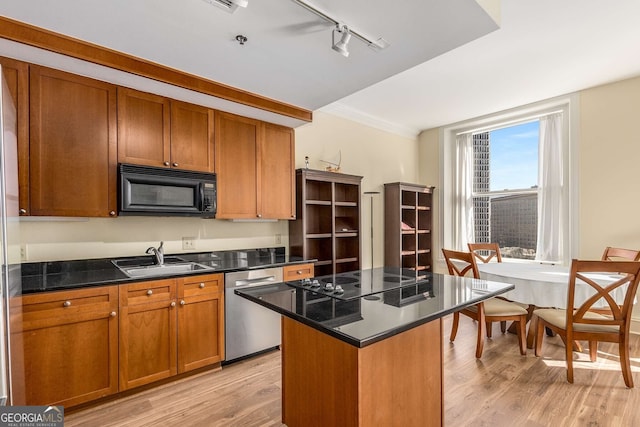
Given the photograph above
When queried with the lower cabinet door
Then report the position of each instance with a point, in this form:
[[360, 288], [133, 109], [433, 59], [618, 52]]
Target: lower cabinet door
[[147, 333], [64, 346], [200, 322]]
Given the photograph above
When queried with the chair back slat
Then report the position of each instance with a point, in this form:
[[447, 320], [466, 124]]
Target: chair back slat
[[485, 252], [620, 254], [465, 263], [629, 273]]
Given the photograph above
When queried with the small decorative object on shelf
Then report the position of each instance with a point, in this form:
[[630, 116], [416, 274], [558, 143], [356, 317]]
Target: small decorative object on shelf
[[306, 162], [334, 167]]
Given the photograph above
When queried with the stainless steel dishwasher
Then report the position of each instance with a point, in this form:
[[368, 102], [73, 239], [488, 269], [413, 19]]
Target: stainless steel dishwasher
[[249, 328]]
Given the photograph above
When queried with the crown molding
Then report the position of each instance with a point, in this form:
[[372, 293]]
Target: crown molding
[[342, 110]]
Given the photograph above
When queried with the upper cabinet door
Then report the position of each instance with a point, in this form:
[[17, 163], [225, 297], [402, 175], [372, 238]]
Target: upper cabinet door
[[277, 173], [16, 75], [72, 145], [143, 128], [236, 165], [191, 137]]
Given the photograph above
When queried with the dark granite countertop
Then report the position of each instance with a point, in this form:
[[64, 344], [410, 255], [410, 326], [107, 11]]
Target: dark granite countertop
[[384, 308], [65, 275]]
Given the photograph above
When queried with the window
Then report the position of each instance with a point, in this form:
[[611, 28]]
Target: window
[[488, 194], [505, 188]]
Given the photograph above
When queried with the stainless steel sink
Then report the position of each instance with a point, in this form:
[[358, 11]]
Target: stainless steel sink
[[137, 268]]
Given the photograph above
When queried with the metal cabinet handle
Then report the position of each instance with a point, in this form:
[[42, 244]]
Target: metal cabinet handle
[[173, 304], [299, 272], [259, 215], [112, 314], [175, 165], [201, 285], [149, 292], [22, 211], [66, 304], [112, 213], [182, 302], [166, 163]]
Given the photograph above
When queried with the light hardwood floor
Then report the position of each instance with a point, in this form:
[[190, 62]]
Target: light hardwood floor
[[501, 389]]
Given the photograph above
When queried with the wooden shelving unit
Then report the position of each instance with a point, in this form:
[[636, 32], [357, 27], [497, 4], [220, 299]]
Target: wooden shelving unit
[[327, 224], [408, 226]]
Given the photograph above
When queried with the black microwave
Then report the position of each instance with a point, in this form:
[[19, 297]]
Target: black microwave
[[146, 190]]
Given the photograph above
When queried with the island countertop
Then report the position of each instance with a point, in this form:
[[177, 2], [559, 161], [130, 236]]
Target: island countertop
[[374, 304]]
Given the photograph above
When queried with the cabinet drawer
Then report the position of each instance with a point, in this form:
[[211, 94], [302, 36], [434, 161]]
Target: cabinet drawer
[[297, 272], [201, 285], [147, 292], [58, 308]]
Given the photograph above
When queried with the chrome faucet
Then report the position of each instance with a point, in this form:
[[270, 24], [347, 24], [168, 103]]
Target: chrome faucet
[[157, 253]]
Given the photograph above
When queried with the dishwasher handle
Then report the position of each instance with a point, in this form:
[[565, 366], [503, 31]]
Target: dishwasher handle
[[245, 283]]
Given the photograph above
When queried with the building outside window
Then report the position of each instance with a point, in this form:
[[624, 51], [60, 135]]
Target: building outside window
[[505, 188]]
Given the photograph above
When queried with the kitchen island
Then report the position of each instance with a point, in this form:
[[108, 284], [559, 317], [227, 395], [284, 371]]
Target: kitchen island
[[371, 353]]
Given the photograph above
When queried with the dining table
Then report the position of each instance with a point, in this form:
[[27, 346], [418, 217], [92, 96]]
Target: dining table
[[544, 285]]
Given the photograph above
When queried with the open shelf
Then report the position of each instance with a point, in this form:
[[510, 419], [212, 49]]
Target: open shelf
[[327, 224], [408, 222]]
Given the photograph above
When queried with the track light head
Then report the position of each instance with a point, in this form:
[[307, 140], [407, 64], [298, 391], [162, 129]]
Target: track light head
[[341, 45]]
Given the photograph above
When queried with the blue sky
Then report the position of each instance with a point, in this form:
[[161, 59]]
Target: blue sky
[[514, 157]]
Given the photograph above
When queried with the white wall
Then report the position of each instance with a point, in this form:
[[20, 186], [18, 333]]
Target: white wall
[[608, 167], [50, 240], [379, 156]]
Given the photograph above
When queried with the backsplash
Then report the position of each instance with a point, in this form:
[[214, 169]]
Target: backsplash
[[56, 239]]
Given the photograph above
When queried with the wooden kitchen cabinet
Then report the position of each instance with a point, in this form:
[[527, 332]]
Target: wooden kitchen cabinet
[[254, 166], [16, 74], [170, 326], [277, 172], [408, 226], [297, 272], [200, 321], [72, 145], [148, 348], [192, 137], [64, 346], [144, 123], [156, 131], [327, 224]]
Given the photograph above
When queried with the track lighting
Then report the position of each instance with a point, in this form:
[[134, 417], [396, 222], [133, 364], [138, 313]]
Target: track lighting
[[344, 31], [341, 45]]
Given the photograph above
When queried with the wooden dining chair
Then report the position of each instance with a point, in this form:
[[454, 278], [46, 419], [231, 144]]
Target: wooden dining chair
[[487, 312], [583, 324], [620, 254], [485, 252]]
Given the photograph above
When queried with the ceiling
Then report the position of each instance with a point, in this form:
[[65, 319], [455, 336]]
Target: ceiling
[[447, 61]]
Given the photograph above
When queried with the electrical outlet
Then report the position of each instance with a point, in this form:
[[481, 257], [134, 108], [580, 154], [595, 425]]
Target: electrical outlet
[[188, 243], [278, 239], [23, 252]]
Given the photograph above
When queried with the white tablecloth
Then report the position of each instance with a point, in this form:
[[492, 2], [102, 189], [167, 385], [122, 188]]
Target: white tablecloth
[[545, 285]]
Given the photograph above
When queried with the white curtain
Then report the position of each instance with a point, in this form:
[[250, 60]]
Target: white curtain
[[550, 196], [463, 192]]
